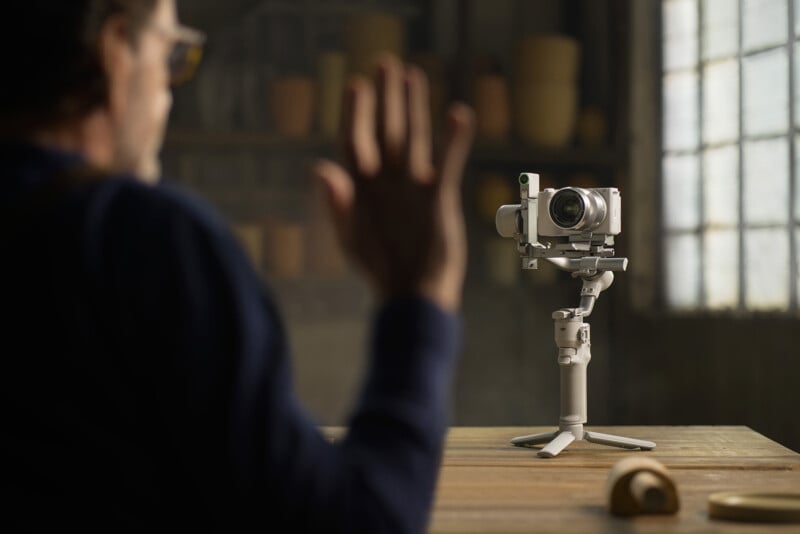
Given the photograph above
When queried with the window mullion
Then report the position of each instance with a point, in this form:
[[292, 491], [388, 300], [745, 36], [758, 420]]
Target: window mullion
[[793, 267], [740, 177], [701, 194]]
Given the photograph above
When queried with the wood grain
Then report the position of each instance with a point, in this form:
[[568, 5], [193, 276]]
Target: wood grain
[[488, 486]]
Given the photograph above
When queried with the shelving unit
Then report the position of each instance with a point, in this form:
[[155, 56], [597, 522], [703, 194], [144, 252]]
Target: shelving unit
[[225, 147], [257, 150]]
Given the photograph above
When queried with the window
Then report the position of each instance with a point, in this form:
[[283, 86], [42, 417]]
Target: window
[[730, 175]]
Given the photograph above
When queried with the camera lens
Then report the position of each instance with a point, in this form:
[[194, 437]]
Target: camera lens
[[574, 208], [567, 208]]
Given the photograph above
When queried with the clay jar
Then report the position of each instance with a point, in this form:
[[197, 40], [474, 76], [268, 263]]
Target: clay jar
[[331, 73], [291, 102], [285, 246], [492, 108], [368, 35], [546, 113], [546, 89], [549, 58]]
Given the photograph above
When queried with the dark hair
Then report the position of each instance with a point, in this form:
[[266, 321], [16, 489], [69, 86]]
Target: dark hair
[[49, 52]]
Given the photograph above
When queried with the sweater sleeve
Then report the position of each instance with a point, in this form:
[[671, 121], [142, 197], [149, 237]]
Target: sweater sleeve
[[224, 388]]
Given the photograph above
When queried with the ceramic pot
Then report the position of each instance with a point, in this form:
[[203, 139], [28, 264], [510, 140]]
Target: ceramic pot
[[547, 58], [291, 102], [285, 244], [368, 35], [331, 73], [492, 108], [545, 114]]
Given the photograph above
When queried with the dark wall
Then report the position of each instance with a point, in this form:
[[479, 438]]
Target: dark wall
[[701, 370]]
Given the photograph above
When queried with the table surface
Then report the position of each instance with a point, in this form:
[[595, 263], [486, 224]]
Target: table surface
[[488, 486]]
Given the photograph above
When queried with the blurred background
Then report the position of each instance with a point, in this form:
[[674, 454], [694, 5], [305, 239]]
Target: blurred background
[[688, 106]]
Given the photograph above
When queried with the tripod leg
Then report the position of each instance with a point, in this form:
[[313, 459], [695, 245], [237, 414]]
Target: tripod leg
[[557, 445], [534, 439], [618, 441]]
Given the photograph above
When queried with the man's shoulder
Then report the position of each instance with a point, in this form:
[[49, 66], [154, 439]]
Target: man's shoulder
[[120, 224], [123, 202]]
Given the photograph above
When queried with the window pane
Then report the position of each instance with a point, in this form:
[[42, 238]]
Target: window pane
[[681, 192], [764, 23], [797, 259], [797, 180], [720, 28], [766, 93], [721, 102], [796, 17], [680, 34], [767, 269], [721, 268], [766, 182], [680, 111], [721, 186], [796, 74], [683, 271]]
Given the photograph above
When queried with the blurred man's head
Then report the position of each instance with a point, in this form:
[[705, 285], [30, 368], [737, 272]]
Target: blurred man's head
[[92, 76]]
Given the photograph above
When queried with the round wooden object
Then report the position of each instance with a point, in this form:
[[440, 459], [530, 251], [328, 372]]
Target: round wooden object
[[640, 485], [758, 507]]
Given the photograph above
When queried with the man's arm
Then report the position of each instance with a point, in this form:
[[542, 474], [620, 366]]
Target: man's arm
[[226, 384], [202, 337]]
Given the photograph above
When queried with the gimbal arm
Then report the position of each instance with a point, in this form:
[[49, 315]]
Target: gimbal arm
[[596, 274]]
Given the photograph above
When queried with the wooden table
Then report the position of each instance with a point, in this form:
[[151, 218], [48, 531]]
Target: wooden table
[[488, 486]]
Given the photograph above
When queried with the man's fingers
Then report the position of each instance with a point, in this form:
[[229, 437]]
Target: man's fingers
[[419, 125], [358, 126], [392, 125], [340, 194], [460, 133]]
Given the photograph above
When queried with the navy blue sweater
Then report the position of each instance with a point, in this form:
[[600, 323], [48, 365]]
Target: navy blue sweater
[[145, 377]]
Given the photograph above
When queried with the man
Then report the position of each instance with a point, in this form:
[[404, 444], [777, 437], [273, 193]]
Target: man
[[145, 378]]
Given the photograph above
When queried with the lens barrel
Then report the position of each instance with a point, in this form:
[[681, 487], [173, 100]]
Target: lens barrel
[[574, 208]]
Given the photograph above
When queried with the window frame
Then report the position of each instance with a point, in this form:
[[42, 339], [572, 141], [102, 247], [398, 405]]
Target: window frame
[[792, 135]]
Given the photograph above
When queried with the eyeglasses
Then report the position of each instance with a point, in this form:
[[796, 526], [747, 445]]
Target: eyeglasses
[[186, 53]]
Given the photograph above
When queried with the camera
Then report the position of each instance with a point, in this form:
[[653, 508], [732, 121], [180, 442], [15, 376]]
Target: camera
[[574, 210], [581, 222]]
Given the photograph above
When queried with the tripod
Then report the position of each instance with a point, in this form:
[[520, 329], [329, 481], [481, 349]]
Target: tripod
[[574, 352]]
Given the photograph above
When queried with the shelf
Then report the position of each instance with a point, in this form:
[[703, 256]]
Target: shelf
[[325, 8], [484, 155], [533, 158], [180, 138]]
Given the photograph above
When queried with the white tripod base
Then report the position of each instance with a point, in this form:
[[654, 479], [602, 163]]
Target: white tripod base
[[559, 440]]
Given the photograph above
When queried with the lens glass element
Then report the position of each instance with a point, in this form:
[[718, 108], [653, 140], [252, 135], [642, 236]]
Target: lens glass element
[[567, 208]]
